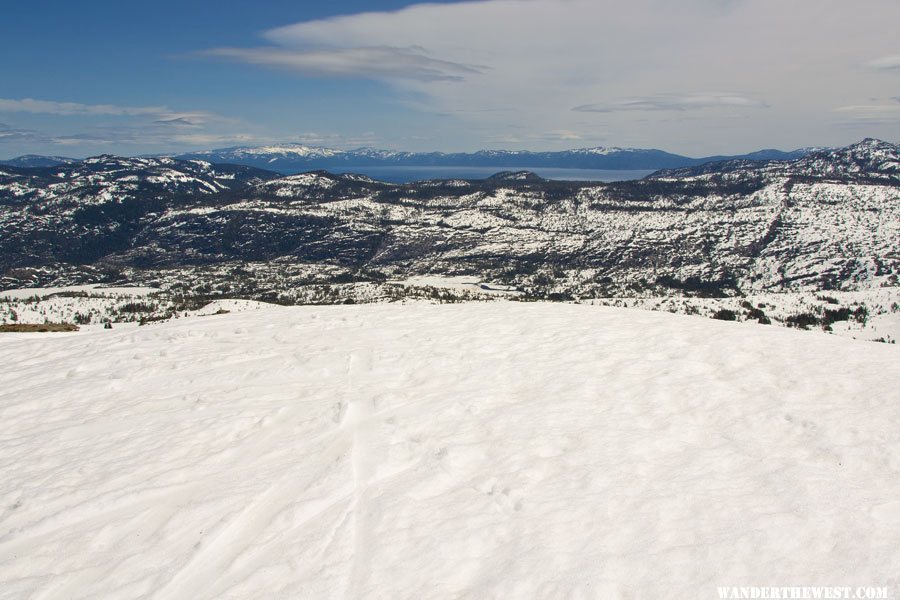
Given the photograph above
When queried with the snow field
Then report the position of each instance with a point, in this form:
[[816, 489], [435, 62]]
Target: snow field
[[485, 450]]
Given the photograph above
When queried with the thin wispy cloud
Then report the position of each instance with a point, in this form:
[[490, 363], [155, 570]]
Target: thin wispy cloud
[[114, 125], [124, 136], [164, 134], [885, 63], [870, 108], [52, 107], [563, 135], [675, 102], [30, 105], [376, 62], [11, 135], [334, 140], [873, 115]]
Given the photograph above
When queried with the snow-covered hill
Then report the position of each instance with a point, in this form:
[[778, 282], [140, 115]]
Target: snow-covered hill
[[108, 178], [472, 451], [78, 212]]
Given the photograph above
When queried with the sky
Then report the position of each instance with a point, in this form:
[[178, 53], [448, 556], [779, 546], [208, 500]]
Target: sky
[[696, 77]]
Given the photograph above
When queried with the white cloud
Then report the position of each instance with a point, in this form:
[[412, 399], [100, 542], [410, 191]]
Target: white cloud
[[870, 108], [30, 105], [675, 102], [562, 134], [333, 140], [885, 63], [169, 136], [868, 115], [500, 65], [151, 126], [148, 136], [100, 126], [161, 114], [382, 62], [13, 135]]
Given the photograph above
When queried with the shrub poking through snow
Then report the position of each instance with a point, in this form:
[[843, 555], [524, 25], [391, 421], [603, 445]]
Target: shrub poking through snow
[[802, 321], [37, 327], [758, 315]]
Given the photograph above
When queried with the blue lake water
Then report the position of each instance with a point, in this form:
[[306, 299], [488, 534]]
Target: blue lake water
[[407, 174]]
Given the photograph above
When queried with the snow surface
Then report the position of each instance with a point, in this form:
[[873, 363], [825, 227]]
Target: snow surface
[[485, 450], [882, 306], [94, 289], [461, 283]]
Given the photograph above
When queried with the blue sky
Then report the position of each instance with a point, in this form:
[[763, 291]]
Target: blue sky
[[694, 76]]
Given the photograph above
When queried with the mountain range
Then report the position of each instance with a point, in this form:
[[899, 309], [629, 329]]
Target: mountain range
[[35, 160], [295, 158], [829, 220]]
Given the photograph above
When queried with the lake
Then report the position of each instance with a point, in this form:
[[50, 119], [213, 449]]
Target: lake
[[408, 174]]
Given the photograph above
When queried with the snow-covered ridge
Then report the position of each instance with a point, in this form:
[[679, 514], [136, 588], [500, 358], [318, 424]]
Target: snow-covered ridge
[[107, 178], [296, 185], [869, 159]]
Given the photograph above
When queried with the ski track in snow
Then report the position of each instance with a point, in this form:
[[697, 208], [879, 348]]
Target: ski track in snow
[[472, 451]]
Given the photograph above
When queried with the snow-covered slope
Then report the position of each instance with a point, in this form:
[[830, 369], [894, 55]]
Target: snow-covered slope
[[469, 451]]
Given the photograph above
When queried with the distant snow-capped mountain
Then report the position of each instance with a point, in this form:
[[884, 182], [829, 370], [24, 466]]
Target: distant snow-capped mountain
[[298, 158], [274, 152], [36, 161]]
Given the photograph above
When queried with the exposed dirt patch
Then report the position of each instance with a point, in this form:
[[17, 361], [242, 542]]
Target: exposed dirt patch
[[37, 328]]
